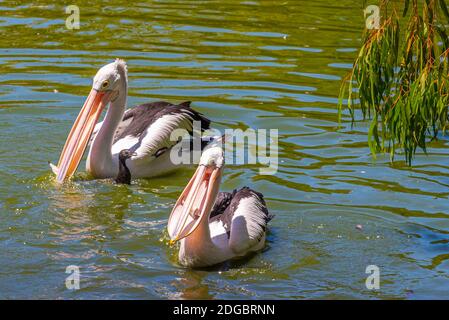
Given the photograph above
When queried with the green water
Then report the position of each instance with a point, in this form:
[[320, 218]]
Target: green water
[[258, 64]]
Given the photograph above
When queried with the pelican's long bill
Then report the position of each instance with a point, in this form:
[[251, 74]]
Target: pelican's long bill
[[195, 202], [80, 134]]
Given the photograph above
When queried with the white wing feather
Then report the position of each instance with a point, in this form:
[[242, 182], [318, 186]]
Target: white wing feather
[[247, 229], [157, 135]]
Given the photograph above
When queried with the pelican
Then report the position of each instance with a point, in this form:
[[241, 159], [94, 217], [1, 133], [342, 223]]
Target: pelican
[[144, 130], [215, 227]]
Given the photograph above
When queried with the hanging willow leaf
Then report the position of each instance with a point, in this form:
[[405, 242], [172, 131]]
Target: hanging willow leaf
[[443, 36], [406, 4], [443, 7]]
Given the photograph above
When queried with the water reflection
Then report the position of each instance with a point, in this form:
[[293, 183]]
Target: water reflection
[[191, 286]]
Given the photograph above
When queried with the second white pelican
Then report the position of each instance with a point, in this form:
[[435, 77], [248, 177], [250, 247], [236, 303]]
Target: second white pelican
[[214, 227]]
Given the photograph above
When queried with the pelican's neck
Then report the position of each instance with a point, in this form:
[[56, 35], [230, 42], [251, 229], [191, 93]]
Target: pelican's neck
[[198, 249], [100, 162], [202, 232]]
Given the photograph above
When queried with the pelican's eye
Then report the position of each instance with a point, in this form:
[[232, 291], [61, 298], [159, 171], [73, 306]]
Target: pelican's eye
[[105, 84]]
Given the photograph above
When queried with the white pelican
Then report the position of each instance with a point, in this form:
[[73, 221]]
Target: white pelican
[[144, 130], [214, 227]]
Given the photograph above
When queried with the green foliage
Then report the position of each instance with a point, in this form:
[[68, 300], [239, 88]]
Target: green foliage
[[402, 79]]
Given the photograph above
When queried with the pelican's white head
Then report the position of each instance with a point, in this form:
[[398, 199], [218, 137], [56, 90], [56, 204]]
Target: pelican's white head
[[212, 156], [111, 76]]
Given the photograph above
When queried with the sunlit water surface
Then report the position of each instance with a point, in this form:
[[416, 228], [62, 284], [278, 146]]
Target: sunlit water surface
[[258, 64]]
